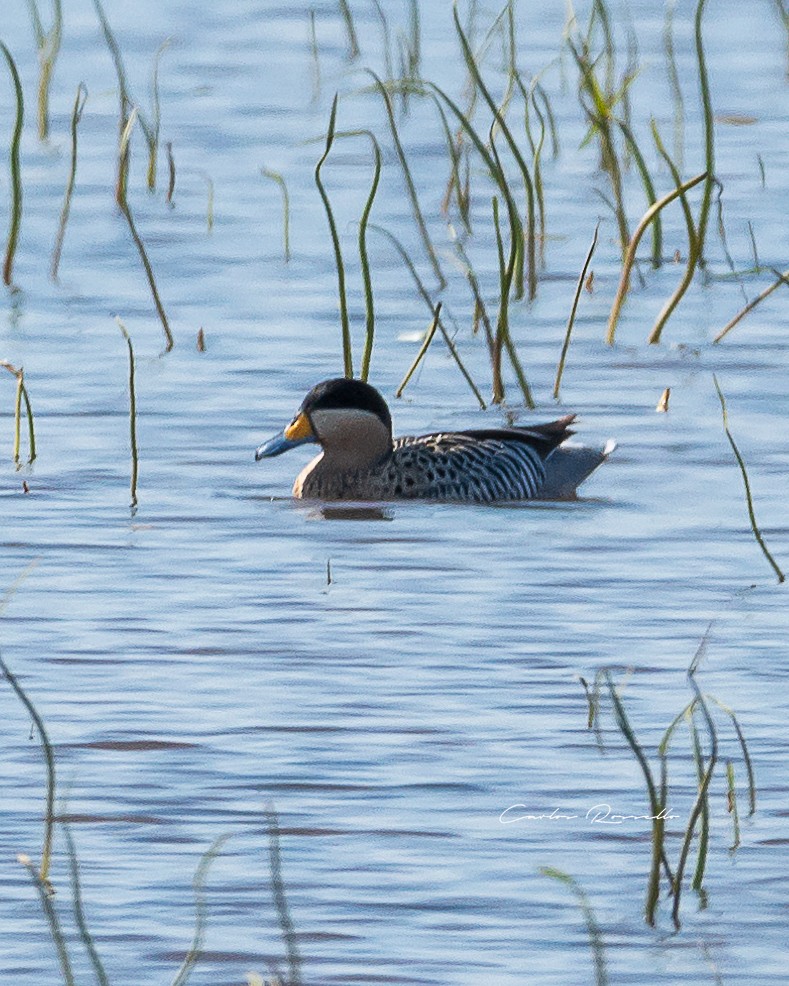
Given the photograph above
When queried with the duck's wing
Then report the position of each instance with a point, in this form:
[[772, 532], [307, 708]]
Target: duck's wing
[[542, 438]]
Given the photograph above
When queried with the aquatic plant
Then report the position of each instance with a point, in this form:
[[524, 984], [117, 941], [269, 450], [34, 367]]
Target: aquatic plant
[[695, 714], [746, 483], [276, 177], [16, 176], [21, 395], [123, 205], [135, 458], [596, 942], [48, 46], [76, 116], [345, 327]]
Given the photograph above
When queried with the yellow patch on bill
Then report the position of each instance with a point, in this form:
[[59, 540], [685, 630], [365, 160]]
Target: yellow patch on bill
[[299, 428]]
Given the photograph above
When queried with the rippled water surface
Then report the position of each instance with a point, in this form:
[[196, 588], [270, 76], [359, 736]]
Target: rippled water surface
[[192, 662]]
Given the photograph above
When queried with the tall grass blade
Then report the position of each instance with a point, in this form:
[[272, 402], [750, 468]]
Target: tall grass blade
[[592, 927], [528, 184], [16, 175], [42, 873], [350, 30], [673, 80], [48, 44], [630, 254], [123, 204], [156, 117], [694, 246], [21, 395], [79, 913], [600, 114], [198, 883], [571, 320], [731, 795], [126, 102], [782, 279], [429, 302], [649, 191], [170, 173], [386, 38], [369, 303], [745, 756], [286, 925], [481, 315], [76, 116], [700, 804], [45, 896], [347, 356], [748, 497], [658, 821], [135, 458], [422, 351], [315, 62], [276, 177], [409, 182], [709, 131]]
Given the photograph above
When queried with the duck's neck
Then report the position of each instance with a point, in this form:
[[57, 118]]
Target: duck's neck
[[352, 442]]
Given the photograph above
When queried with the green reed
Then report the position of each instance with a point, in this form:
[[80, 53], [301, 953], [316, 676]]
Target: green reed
[[673, 80], [48, 46], [79, 912], [422, 351], [709, 131], [123, 204], [135, 458], [45, 897], [503, 339], [42, 871], [16, 175], [364, 261], [783, 279], [425, 295], [528, 184], [198, 885], [22, 396], [150, 128], [76, 116], [592, 927], [287, 928], [457, 186], [598, 107], [530, 98], [694, 245], [369, 334], [347, 355], [748, 496], [630, 253], [386, 41], [657, 787], [350, 30], [480, 316], [276, 177], [409, 182], [170, 173], [315, 63], [571, 320]]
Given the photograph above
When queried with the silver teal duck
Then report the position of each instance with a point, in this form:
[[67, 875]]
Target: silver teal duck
[[360, 460]]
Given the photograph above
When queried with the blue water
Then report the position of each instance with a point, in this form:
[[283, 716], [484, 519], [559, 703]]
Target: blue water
[[190, 661]]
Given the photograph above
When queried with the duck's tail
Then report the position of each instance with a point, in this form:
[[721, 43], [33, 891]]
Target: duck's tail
[[568, 466]]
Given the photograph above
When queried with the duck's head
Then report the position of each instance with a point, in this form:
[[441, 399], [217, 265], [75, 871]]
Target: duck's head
[[348, 418]]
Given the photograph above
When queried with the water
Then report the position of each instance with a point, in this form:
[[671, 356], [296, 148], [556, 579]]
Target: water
[[191, 662]]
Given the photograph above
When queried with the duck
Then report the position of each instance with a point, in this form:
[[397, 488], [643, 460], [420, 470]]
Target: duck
[[360, 460]]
